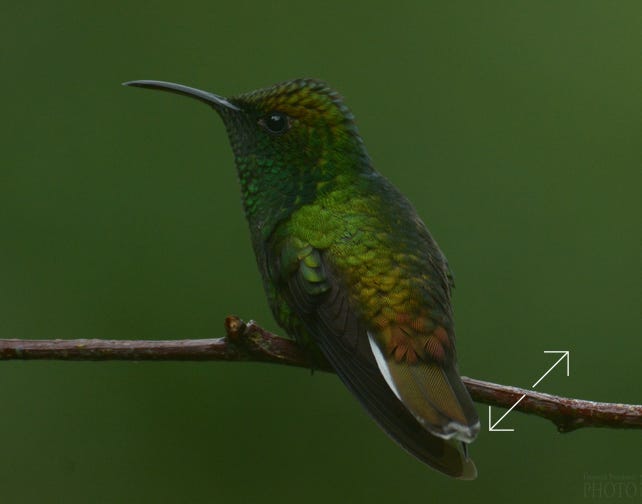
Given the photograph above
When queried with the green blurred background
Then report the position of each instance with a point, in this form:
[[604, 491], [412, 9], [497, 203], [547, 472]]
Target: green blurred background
[[515, 129]]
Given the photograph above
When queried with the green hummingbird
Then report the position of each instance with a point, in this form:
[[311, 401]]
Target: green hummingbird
[[348, 266]]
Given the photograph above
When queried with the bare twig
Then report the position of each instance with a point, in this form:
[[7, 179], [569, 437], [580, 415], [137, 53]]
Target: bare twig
[[250, 342]]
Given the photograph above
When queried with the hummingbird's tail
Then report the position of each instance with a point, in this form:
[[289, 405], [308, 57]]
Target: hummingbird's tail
[[433, 392], [368, 384]]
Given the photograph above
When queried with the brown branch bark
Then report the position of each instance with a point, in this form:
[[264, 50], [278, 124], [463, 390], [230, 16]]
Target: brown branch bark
[[250, 342]]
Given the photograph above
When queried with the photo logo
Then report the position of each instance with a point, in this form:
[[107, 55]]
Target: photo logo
[[611, 487]]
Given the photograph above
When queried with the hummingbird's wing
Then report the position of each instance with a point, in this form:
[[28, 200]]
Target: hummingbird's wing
[[312, 290]]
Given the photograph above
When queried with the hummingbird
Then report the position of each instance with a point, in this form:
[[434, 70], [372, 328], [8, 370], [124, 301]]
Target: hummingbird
[[349, 268]]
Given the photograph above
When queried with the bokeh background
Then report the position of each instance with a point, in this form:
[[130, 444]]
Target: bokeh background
[[514, 127]]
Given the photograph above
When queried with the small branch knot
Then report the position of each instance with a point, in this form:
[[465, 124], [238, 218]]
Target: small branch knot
[[234, 327]]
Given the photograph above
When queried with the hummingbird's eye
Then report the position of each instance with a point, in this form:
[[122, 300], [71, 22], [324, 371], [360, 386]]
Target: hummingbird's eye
[[275, 122]]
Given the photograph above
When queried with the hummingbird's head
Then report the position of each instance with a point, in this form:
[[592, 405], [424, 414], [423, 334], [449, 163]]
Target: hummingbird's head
[[290, 140], [299, 122]]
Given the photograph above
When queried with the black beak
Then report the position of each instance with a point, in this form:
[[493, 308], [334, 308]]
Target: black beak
[[218, 102]]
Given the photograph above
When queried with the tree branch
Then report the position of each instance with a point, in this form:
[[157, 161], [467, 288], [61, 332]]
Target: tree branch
[[250, 342]]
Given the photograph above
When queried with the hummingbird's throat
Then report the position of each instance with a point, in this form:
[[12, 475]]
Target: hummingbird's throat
[[269, 192]]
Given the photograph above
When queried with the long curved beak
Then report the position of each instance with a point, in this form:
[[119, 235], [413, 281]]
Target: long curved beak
[[218, 102]]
